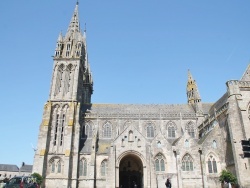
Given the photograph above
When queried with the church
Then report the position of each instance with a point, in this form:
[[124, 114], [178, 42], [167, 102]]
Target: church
[[87, 145]]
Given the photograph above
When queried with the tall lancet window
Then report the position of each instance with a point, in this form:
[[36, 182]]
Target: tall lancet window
[[56, 129], [159, 163], [214, 144], [83, 167], [68, 47], [186, 143], [55, 165], [212, 165], [171, 129], [59, 167], [107, 130], [56, 121], [88, 130], [63, 122], [187, 163], [62, 129], [78, 51], [150, 130], [68, 78], [103, 168], [59, 79], [190, 129]]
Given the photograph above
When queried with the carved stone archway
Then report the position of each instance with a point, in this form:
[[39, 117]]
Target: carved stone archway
[[131, 171]]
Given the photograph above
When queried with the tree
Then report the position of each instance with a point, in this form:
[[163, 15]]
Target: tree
[[38, 177], [227, 176]]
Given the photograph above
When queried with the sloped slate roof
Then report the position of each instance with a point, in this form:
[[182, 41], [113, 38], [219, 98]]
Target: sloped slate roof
[[8, 167], [104, 146], [141, 108], [173, 110], [26, 168], [218, 104], [86, 148], [206, 107], [204, 138]]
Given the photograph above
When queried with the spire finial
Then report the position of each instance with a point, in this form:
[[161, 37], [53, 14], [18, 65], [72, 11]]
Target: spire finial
[[77, 2], [74, 25]]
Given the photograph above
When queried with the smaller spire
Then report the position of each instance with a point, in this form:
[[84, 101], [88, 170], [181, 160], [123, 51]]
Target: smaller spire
[[74, 26], [246, 75], [60, 37], [192, 90], [190, 77]]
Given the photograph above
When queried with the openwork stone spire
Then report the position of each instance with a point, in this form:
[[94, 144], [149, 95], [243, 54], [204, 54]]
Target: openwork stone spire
[[74, 25], [193, 95]]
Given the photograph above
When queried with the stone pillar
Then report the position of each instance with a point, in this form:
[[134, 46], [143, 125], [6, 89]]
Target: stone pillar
[[75, 148], [40, 158], [178, 169]]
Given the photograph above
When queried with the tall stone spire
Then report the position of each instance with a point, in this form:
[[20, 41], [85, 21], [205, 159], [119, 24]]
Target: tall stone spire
[[74, 25], [73, 48], [193, 95]]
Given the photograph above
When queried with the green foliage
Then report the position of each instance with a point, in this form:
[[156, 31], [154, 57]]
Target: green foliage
[[227, 176], [38, 177]]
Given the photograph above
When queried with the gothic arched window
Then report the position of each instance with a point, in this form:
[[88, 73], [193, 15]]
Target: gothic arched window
[[55, 165], [159, 163], [62, 129], [103, 168], [59, 79], [186, 144], [83, 167], [56, 125], [171, 129], [158, 144], [150, 130], [62, 123], [59, 167], [214, 144], [88, 130], [68, 75], [187, 163], [79, 45], [107, 130], [190, 129], [56, 128], [212, 165]]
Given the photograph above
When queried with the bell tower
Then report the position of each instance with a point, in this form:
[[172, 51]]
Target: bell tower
[[72, 78], [71, 87], [193, 95]]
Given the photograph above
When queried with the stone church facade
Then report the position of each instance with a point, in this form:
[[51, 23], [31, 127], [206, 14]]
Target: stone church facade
[[87, 145]]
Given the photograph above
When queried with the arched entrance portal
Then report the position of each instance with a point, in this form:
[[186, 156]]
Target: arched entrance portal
[[131, 172]]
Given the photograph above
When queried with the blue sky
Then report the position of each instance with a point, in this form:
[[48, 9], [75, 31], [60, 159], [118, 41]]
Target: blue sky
[[139, 51]]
